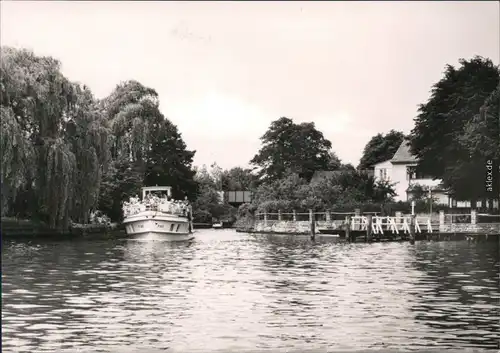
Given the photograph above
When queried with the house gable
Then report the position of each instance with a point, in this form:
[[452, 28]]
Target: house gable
[[384, 164], [403, 154]]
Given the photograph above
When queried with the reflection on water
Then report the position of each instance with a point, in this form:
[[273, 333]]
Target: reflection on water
[[459, 274], [235, 292]]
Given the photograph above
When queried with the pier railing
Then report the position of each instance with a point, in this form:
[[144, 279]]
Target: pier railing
[[306, 216], [484, 218], [400, 223]]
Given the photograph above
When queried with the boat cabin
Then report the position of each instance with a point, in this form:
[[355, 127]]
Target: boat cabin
[[158, 190]]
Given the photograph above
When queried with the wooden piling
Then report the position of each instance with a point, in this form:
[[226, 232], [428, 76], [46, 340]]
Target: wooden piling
[[357, 214], [294, 214], [312, 224], [441, 221], [368, 235], [279, 216], [348, 228], [190, 219], [412, 229]]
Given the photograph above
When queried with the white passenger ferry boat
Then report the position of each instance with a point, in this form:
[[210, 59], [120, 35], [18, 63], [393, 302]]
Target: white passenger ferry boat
[[157, 217]]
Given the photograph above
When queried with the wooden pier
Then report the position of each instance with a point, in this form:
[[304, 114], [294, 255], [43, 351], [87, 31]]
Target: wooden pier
[[368, 227]]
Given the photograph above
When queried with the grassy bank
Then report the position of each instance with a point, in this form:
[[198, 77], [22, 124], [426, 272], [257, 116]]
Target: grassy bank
[[23, 228]]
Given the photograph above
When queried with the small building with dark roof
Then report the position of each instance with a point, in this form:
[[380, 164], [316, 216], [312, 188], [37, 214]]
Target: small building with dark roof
[[401, 170]]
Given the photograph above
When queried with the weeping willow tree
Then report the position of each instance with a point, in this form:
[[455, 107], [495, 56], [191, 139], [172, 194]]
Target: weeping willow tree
[[132, 111], [57, 178], [147, 148], [64, 153], [39, 95], [89, 135], [16, 156], [40, 105]]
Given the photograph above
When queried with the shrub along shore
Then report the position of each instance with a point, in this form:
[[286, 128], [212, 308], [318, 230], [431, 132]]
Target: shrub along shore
[[22, 228]]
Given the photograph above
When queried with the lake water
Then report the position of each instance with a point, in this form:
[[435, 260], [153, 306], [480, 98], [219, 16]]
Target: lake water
[[231, 292]]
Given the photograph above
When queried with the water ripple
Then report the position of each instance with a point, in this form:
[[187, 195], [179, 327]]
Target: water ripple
[[235, 292]]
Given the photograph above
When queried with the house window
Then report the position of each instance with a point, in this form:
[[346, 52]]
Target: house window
[[412, 173], [383, 174], [463, 204]]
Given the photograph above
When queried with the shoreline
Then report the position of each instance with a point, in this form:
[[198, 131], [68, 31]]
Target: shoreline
[[25, 228], [360, 238], [13, 228], [29, 229]]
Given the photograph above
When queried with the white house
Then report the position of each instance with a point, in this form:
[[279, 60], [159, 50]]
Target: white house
[[400, 170]]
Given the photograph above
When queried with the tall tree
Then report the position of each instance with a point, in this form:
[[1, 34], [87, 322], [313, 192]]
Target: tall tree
[[290, 192], [238, 179], [208, 204], [380, 148], [286, 146], [442, 121], [481, 139], [146, 146], [63, 153], [169, 162], [39, 107], [121, 181], [334, 162], [40, 96], [89, 135], [482, 134], [133, 110], [16, 156]]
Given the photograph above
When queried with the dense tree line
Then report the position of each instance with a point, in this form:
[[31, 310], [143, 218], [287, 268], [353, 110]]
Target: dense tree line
[[291, 154], [65, 153], [380, 148], [457, 130], [456, 138]]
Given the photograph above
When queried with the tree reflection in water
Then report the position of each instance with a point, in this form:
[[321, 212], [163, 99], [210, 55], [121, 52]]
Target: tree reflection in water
[[459, 294]]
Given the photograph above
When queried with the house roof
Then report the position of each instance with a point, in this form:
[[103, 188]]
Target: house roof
[[379, 163], [403, 154]]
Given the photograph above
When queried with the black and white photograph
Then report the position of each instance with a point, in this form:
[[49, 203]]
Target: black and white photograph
[[250, 176]]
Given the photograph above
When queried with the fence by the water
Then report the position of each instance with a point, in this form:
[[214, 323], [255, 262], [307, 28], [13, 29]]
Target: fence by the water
[[374, 225]]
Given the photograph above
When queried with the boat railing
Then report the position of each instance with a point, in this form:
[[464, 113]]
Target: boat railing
[[164, 206]]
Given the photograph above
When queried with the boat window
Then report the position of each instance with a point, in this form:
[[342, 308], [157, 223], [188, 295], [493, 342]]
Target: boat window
[[172, 227], [177, 227]]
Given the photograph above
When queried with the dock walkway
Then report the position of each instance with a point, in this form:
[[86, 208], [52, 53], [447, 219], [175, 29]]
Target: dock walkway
[[372, 226]]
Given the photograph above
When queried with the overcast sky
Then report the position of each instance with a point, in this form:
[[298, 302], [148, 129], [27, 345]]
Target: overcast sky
[[225, 70]]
